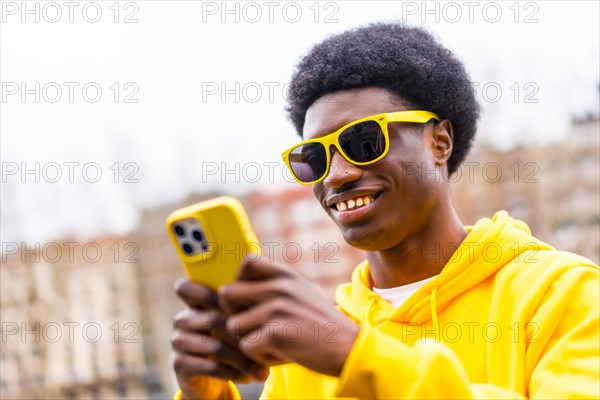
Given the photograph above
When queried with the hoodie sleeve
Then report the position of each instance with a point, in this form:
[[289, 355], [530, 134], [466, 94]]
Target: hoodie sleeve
[[232, 394], [564, 365], [274, 387]]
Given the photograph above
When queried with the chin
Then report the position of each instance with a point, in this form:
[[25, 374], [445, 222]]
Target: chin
[[365, 240]]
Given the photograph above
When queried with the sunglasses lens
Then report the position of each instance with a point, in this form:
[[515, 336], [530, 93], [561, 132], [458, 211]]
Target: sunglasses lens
[[363, 142], [309, 162]]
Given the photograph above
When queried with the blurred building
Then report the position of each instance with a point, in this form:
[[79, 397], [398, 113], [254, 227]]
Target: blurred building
[[71, 321], [54, 300], [555, 188]]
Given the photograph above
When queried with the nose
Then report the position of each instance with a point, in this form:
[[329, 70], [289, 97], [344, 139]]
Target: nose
[[340, 171]]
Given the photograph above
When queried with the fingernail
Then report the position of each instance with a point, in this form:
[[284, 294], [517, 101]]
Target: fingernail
[[222, 290], [262, 374]]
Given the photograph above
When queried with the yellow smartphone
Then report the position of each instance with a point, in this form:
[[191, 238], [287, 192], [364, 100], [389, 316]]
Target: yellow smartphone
[[211, 238]]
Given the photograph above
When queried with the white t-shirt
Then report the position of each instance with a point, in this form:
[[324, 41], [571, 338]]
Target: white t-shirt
[[398, 295]]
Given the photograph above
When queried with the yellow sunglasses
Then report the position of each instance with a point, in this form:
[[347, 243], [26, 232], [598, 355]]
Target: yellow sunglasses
[[361, 142]]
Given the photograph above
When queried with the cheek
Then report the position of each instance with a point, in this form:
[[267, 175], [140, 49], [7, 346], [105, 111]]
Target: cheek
[[413, 164], [317, 190], [407, 169], [409, 146]]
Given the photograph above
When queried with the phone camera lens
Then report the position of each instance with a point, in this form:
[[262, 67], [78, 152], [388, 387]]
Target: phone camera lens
[[187, 248], [179, 230], [198, 235]]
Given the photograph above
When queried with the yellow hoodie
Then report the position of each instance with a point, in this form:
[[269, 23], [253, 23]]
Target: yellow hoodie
[[508, 317]]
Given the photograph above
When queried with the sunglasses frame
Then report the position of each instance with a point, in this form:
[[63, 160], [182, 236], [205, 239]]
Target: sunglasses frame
[[332, 139]]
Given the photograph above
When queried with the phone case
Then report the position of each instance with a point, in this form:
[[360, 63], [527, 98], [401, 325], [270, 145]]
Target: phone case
[[211, 238]]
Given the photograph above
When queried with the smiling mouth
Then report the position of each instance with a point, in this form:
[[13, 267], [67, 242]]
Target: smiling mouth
[[355, 202]]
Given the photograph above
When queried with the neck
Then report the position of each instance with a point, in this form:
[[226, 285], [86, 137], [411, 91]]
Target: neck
[[420, 256]]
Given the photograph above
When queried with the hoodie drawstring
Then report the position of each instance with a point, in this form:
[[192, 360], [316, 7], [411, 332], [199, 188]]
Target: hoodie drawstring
[[434, 317], [369, 315]]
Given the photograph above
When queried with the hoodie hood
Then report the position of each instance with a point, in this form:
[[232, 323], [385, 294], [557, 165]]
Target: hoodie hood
[[489, 245]]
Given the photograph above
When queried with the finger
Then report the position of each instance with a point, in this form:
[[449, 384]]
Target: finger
[[258, 346], [260, 331], [206, 346], [210, 323], [187, 365], [199, 321], [265, 314], [258, 269], [196, 295], [239, 296]]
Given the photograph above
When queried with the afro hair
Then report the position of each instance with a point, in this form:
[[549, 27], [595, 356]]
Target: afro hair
[[406, 61]]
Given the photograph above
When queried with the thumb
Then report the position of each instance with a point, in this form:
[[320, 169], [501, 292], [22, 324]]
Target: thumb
[[254, 268]]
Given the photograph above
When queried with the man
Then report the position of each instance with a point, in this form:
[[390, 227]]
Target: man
[[438, 310]]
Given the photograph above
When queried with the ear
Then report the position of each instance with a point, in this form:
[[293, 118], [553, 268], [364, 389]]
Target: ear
[[442, 138]]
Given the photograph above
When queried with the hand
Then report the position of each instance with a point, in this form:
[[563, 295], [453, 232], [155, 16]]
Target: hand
[[204, 356], [281, 316]]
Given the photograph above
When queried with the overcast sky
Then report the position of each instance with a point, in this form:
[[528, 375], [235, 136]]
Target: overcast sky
[[163, 101]]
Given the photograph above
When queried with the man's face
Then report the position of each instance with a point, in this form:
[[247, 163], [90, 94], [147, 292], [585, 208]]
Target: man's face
[[403, 187]]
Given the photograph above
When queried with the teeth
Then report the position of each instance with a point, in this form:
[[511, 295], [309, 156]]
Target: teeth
[[354, 203]]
